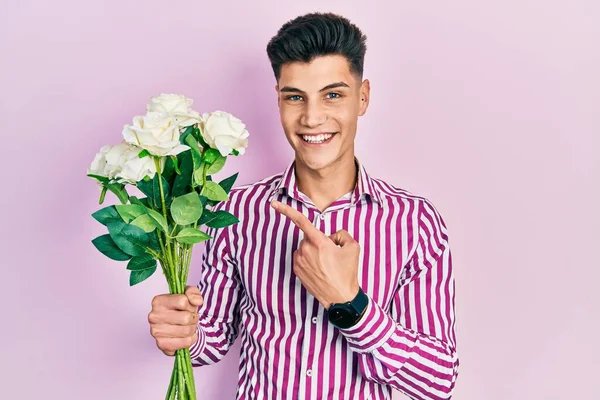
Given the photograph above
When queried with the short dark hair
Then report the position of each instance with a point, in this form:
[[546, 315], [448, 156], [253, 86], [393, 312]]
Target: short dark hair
[[317, 34]]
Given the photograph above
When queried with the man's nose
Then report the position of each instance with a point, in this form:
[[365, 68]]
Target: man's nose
[[313, 115]]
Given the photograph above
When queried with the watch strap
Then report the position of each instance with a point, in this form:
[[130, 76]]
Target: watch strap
[[360, 302]]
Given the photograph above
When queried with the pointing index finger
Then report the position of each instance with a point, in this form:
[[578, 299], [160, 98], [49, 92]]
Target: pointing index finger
[[298, 219]]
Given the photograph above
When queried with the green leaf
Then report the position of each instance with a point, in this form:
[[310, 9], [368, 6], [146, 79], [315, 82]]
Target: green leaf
[[135, 200], [211, 155], [186, 209], [130, 212], [141, 275], [203, 200], [153, 241], [141, 262], [108, 247], [175, 163], [227, 183], [213, 191], [144, 201], [159, 220], [146, 187], [102, 195], [199, 137], [235, 152], [156, 192], [131, 239], [169, 170], [199, 175], [195, 150], [217, 165], [119, 190], [98, 177], [145, 222], [187, 131], [184, 180], [222, 219], [191, 236], [207, 216], [106, 215], [144, 153]]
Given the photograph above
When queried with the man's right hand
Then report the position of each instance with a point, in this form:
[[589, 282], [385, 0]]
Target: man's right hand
[[174, 319]]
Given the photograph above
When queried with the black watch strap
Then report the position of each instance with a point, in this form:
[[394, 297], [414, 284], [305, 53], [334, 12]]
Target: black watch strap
[[346, 315], [360, 302]]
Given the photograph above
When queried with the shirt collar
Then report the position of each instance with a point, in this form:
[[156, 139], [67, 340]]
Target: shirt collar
[[364, 184]]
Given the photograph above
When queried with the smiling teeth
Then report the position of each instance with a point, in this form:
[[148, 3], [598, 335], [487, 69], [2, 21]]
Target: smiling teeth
[[317, 138]]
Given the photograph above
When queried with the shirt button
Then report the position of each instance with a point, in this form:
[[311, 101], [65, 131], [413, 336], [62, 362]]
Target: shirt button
[[314, 320], [309, 373]]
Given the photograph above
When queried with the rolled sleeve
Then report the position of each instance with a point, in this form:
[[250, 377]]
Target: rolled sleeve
[[372, 331]]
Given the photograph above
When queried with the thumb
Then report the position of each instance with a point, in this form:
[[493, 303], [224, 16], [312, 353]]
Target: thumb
[[194, 296], [341, 238]]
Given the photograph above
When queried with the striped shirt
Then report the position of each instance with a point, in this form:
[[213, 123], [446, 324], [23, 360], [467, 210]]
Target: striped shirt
[[289, 350]]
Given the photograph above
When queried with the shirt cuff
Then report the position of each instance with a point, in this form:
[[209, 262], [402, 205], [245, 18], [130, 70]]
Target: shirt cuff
[[197, 347], [372, 331]]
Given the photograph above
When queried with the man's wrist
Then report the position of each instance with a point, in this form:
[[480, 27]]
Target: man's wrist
[[371, 331], [347, 314]]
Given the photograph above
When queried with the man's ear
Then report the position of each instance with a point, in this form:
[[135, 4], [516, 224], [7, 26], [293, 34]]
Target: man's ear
[[277, 91], [365, 94]]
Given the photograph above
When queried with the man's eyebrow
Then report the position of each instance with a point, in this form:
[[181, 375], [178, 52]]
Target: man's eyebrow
[[289, 89]]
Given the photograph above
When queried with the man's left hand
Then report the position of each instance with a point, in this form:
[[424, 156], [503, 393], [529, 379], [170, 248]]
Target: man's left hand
[[327, 266]]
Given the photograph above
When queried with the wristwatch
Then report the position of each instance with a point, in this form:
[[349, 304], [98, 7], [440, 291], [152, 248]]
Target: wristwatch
[[346, 315]]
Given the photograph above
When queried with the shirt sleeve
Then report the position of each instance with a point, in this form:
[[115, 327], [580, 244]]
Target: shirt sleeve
[[218, 325], [412, 346]]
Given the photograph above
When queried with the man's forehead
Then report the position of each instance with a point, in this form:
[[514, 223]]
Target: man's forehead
[[318, 73]]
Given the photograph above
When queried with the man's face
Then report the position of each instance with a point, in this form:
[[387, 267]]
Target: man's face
[[319, 105]]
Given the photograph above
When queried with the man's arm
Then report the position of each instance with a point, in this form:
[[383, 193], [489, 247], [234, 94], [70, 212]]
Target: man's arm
[[412, 348], [219, 314]]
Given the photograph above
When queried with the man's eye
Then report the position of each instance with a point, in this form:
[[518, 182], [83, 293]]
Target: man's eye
[[333, 95], [294, 97]]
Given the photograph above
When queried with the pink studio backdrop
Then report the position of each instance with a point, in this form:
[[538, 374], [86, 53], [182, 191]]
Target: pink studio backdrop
[[490, 109]]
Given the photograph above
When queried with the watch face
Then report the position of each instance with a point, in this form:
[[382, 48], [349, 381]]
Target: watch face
[[341, 317]]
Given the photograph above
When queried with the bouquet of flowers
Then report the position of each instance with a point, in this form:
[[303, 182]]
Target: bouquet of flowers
[[169, 155]]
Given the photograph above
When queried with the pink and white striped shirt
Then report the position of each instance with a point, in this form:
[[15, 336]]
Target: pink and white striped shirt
[[289, 350]]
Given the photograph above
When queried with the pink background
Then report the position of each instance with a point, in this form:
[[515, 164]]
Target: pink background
[[488, 108]]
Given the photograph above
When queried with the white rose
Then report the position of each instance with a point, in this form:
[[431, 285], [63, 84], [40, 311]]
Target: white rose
[[127, 166], [99, 165], [135, 168], [156, 133], [176, 106], [122, 163], [224, 132]]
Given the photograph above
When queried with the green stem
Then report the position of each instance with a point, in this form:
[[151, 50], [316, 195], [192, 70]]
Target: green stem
[[204, 171], [168, 245], [181, 380], [176, 262], [190, 368], [171, 390]]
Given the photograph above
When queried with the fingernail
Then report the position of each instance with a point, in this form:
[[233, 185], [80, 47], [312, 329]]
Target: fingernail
[[274, 204]]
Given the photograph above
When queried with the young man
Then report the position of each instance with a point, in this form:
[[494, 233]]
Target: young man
[[339, 284]]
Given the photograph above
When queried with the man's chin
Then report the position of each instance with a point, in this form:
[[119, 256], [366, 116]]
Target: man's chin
[[316, 162]]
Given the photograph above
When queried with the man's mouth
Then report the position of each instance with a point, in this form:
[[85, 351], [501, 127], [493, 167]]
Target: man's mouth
[[319, 138]]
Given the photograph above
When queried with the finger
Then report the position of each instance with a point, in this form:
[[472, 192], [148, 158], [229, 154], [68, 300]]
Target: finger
[[173, 317], [342, 238], [172, 331], [170, 345], [194, 296], [298, 219], [172, 302]]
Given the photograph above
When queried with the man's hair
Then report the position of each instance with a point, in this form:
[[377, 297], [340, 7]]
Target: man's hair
[[317, 34]]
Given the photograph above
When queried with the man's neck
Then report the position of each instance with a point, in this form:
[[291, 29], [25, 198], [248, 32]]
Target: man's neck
[[325, 186]]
